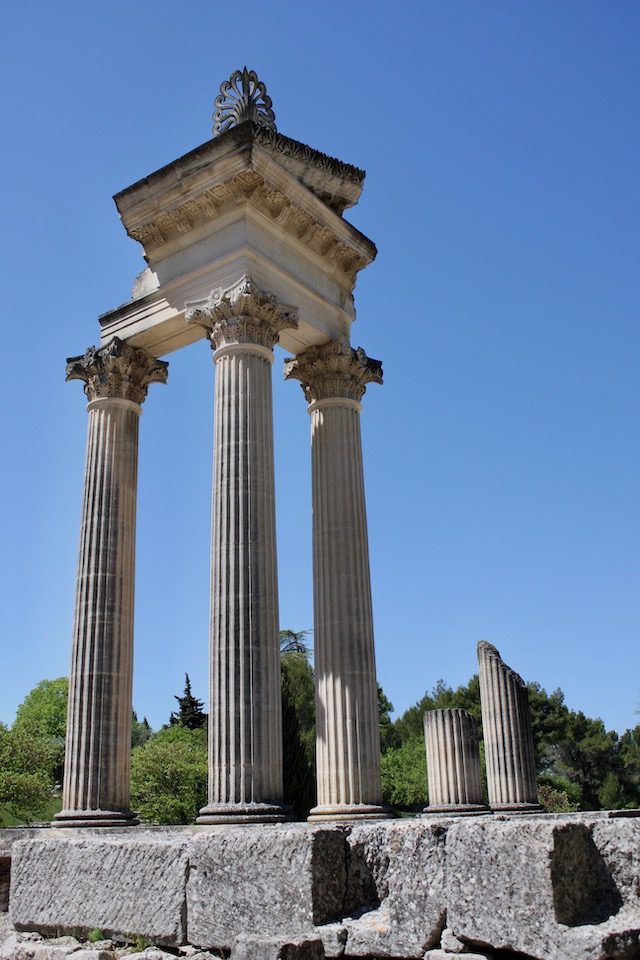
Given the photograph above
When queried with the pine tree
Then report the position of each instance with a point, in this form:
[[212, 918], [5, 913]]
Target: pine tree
[[190, 713]]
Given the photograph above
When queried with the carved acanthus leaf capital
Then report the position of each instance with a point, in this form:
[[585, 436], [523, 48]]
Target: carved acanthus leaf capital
[[333, 371], [243, 313], [117, 371]]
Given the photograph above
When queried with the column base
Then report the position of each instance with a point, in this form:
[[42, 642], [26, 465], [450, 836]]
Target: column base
[[244, 813], [95, 818], [456, 810], [517, 808], [348, 811]]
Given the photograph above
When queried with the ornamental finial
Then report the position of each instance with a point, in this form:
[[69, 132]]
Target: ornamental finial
[[242, 97]]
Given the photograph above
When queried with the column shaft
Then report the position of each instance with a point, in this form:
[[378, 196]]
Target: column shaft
[[243, 323], [99, 718], [348, 739], [334, 378], [245, 749], [453, 763], [508, 738], [98, 749]]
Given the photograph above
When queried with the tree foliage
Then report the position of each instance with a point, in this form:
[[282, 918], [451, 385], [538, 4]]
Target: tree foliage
[[404, 775], [42, 717], [26, 781], [580, 764], [298, 722], [140, 730], [169, 776], [190, 713]]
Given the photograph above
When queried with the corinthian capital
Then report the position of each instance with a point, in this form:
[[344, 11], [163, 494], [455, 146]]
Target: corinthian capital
[[242, 313], [117, 371], [334, 370]]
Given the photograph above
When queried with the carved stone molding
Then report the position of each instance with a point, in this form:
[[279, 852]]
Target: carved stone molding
[[333, 371], [243, 313], [248, 185], [117, 371], [307, 155]]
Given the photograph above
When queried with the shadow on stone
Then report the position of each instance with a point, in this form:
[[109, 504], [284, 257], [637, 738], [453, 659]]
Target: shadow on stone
[[364, 883], [5, 877], [584, 891]]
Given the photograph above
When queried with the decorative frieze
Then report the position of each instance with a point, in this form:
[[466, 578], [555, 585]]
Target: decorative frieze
[[249, 186], [117, 370]]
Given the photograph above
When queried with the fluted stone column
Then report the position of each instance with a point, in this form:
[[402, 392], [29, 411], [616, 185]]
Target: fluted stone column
[[508, 738], [245, 716], [98, 748], [334, 378], [453, 763]]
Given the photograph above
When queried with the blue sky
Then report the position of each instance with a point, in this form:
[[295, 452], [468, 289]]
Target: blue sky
[[501, 142]]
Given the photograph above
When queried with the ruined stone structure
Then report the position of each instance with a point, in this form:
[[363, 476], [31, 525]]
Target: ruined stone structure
[[246, 248], [453, 763], [540, 887], [508, 738]]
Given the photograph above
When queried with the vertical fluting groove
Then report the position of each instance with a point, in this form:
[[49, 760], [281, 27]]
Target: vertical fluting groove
[[507, 732], [453, 760], [347, 747], [98, 742]]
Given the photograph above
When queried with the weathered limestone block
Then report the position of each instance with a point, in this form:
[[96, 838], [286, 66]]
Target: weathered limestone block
[[398, 869], [120, 885], [265, 881], [256, 948], [563, 902], [618, 842]]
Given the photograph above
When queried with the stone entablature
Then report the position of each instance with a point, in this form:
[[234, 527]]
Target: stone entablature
[[250, 201]]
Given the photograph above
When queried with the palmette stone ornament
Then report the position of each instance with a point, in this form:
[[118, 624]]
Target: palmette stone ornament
[[243, 313], [242, 97], [117, 370]]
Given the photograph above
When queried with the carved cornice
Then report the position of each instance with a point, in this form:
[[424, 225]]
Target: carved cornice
[[333, 371], [243, 313], [248, 185], [307, 155], [117, 371]]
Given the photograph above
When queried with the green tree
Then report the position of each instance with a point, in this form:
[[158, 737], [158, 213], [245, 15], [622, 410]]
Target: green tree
[[298, 721], [404, 775], [140, 730], [169, 775], [190, 713], [26, 781], [42, 716], [389, 736]]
